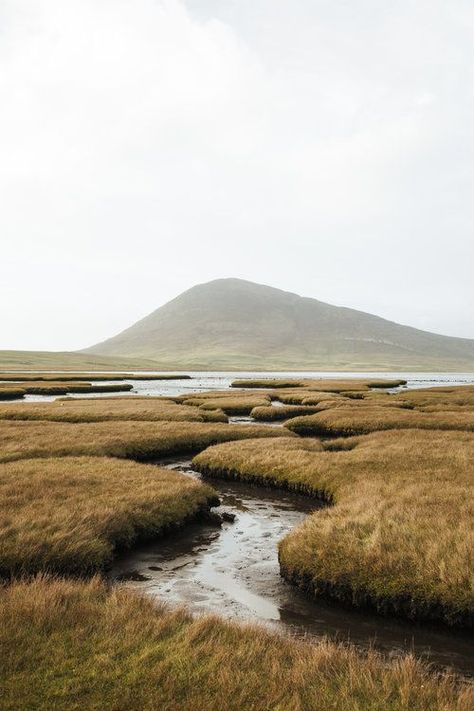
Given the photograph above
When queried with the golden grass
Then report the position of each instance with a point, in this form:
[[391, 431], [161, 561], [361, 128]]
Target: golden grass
[[69, 515], [63, 388], [130, 440], [71, 377], [101, 409], [353, 420], [267, 383], [11, 393], [399, 537], [235, 405], [79, 645], [270, 413]]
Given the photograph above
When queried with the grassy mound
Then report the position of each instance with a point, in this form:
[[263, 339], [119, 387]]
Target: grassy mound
[[235, 405], [399, 537], [69, 515], [52, 387], [130, 440], [270, 414], [102, 409], [75, 645], [353, 420]]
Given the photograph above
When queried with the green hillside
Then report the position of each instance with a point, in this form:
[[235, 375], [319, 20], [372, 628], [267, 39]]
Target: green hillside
[[236, 324]]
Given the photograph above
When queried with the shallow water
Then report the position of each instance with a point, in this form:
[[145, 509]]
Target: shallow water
[[220, 380], [233, 571]]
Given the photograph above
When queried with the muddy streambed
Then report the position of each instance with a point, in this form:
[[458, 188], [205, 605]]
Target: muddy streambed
[[232, 570]]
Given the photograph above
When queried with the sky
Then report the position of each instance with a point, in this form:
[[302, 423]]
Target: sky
[[325, 147]]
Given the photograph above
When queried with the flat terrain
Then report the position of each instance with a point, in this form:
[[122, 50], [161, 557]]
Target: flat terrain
[[396, 537]]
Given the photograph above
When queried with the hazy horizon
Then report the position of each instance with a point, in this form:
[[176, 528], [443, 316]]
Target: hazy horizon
[[148, 146]]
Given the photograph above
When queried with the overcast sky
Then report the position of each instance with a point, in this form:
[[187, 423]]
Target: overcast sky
[[324, 147]]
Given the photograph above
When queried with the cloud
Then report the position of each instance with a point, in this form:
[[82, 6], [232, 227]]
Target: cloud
[[149, 145]]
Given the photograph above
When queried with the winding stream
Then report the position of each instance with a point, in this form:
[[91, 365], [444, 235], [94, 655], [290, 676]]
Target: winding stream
[[233, 571]]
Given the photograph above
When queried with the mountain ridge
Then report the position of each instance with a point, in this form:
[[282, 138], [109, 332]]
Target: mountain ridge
[[238, 324]]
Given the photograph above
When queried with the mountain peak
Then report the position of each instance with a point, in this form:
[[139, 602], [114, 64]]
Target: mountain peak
[[238, 324]]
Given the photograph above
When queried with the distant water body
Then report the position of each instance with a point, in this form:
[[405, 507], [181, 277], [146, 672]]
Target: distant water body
[[220, 380]]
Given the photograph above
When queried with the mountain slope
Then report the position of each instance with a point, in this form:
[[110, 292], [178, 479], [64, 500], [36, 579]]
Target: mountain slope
[[236, 324]]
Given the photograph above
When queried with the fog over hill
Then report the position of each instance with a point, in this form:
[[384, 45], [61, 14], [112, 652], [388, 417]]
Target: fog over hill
[[237, 324]]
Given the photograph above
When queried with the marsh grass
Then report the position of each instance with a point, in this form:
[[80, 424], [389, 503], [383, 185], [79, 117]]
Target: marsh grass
[[399, 537], [269, 413], [235, 405], [64, 388], [142, 441], [71, 644], [68, 515], [357, 419], [102, 409]]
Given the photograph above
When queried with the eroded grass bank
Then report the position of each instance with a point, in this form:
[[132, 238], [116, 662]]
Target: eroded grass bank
[[141, 441], [399, 536], [69, 515], [72, 645]]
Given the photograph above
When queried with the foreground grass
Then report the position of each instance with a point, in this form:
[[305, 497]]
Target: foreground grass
[[72, 645], [399, 537], [69, 515], [130, 440], [102, 409], [270, 414], [353, 420]]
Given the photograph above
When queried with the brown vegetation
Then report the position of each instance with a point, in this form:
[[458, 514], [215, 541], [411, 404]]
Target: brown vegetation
[[353, 420], [79, 645], [270, 413], [102, 409], [130, 440], [400, 536], [69, 514]]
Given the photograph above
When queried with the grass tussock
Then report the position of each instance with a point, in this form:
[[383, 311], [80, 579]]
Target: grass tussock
[[216, 415], [102, 409], [71, 644], [270, 413], [68, 515], [235, 405], [343, 421], [399, 537], [141, 441], [64, 388]]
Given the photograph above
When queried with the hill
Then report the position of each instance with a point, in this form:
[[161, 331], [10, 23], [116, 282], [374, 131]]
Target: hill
[[237, 324], [63, 360]]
